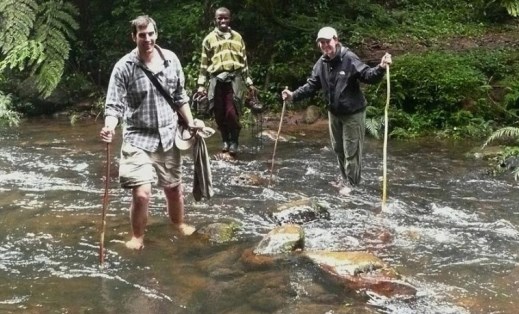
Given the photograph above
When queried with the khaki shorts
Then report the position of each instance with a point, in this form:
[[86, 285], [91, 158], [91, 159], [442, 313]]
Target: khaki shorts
[[138, 167]]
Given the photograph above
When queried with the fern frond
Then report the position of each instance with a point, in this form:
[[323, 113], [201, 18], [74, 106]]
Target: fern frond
[[27, 54], [8, 116], [48, 76], [59, 16], [373, 126], [35, 37], [512, 7], [16, 22], [506, 132], [516, 174]]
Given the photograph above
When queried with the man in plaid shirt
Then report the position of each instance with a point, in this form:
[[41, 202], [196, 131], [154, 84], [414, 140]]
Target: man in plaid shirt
[[148, 153]]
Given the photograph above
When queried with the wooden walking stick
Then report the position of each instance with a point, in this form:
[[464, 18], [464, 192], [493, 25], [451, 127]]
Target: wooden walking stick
[[277, 137], [105, 206], [386, 123]]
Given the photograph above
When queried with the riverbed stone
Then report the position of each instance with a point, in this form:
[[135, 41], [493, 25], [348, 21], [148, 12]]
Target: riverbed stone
[[300, 211], [281, 240], [487, 152], [272, 135], [249, 179], [312, 114], [360, 270]]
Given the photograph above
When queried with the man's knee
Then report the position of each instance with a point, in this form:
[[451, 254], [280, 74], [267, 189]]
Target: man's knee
[[173, 192], [142, 196]]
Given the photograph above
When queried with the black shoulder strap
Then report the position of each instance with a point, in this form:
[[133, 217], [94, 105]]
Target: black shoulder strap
[[166, 96], [159, 87]]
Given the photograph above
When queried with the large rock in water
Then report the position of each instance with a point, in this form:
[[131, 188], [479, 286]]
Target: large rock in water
[[362, 270], [282, 239]]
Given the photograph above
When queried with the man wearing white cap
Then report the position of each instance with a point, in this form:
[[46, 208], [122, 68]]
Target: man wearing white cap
[[338, 73]]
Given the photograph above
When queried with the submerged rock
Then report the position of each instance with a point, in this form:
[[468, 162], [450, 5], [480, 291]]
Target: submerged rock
[[218, 232], [300, 211], [362, 271], [253, 261], [249, 179], [272, 135]]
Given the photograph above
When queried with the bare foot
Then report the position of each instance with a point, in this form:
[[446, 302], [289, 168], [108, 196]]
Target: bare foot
[[135, 243], [184, 229]]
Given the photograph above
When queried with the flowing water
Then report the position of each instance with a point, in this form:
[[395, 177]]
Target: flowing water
[[449, 228]]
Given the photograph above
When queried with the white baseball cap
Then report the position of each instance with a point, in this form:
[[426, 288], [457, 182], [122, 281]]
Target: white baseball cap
[[326, 33]]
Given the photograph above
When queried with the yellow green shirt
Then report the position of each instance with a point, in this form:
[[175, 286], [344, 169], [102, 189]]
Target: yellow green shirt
[[223, 52]]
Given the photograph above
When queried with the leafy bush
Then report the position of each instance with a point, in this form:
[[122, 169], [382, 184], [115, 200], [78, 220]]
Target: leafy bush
[[447, 93]]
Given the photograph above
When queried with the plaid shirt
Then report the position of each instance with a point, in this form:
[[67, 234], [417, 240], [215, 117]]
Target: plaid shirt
[[149, 120]]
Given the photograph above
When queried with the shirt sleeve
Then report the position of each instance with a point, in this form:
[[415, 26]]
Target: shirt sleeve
[[204, 62], [180, 95], [115, 102]]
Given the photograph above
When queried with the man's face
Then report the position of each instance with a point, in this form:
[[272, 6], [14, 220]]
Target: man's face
[[222, 20], [145, 38], [328, 46]]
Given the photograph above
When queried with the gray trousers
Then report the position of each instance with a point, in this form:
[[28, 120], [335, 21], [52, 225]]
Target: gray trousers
[[347, 139]]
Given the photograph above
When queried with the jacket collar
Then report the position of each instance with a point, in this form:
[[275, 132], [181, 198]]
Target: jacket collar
[[339, 54], [134, 56], [219, 33]]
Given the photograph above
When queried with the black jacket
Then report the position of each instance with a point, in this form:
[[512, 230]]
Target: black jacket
[[340, 79]]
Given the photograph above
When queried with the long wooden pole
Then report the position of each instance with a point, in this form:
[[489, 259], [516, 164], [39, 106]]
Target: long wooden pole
[[105, 207], [386, 124], [276, 142]]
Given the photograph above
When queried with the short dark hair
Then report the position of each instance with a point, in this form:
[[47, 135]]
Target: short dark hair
[[142, 21], [223, 9]]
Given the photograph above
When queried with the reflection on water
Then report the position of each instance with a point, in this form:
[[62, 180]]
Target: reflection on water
[[449, 228]]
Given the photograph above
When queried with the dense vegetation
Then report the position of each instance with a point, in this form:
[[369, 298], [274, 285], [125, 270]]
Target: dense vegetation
[[454, 73]]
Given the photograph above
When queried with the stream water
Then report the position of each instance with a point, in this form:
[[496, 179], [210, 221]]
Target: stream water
[[451, 230]]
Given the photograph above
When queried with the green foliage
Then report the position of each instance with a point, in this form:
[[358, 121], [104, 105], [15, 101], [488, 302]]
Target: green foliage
[[436, 80], [447, 94], [35, 38]]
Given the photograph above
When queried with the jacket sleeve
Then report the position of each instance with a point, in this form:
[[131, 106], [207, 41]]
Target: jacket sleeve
[[312, 85], [367, 74]]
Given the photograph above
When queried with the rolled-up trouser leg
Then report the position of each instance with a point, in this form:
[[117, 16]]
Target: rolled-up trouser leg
[[347, 139]]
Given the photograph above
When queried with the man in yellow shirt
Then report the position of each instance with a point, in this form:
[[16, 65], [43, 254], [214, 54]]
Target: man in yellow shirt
[[224, 69]]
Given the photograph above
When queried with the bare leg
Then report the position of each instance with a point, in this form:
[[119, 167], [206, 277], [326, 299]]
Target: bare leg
[[139, 215], [175, 205]]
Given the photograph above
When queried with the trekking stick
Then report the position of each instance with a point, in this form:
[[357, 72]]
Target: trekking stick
[[386, 122], [105, 206], [276, 142]]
